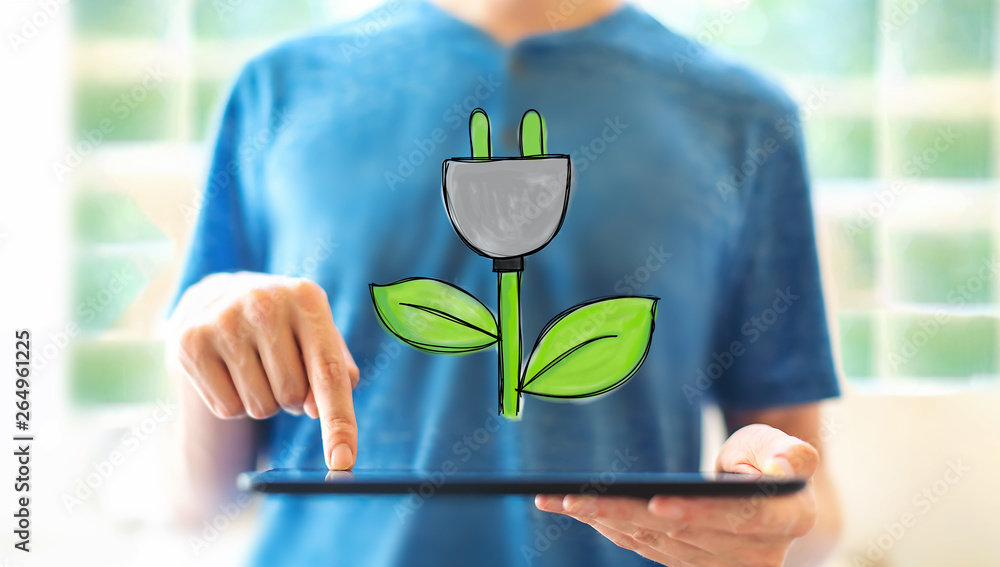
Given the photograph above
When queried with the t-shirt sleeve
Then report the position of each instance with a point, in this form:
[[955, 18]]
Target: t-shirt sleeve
[[227, 233], [771, 324]]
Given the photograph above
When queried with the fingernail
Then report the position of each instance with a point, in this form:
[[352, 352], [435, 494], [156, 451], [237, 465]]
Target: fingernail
[[548, 502], [342, 458], [778, 466], [667, 510], [582, 506]]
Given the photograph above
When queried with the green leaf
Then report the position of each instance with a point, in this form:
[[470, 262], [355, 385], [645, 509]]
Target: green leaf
[[591, 348], [434, 316]]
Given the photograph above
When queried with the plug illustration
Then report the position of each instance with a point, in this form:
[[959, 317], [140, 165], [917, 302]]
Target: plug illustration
[[506, 208]]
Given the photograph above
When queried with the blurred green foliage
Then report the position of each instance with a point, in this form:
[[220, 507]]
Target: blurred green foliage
[[941, 149], [941, 345], [841, 147], [854, 252], [942, 267], [112, 235], [857, 351], [126, 112], [104, 286], [109, 372], [123, 18], [820, 38], [101, 217], [238, 19], [208, 97], [942, 36]]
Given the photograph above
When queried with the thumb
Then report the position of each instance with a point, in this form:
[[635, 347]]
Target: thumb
[[763, 449]]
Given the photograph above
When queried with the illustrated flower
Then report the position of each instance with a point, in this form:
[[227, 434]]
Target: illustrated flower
[[505, 209]]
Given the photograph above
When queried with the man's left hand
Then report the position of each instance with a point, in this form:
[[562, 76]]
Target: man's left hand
[[707, 532]]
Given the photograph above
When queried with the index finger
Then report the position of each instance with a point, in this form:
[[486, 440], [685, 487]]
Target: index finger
[[327, 371]]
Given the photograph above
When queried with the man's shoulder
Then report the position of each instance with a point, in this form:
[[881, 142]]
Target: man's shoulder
[[344, 45], [696, 68]]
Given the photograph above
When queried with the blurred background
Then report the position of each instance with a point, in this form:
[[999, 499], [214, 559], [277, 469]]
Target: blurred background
[[901, 104]]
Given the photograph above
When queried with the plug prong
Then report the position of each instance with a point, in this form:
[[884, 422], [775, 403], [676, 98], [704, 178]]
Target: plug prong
[[479, 134], [532, 135]]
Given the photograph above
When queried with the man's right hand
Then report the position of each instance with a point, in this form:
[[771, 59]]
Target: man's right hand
[[253, 344]]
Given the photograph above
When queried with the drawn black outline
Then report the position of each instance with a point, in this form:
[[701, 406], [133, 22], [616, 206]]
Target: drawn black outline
[[520, 134], [506, 264], [449, 317], [489, 134], [426, 347], [562, 215], [561, 357], [444, 177], [548, 326], [520, 343]]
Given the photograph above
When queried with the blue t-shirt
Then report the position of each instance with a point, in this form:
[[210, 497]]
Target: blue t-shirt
[[690, 185]]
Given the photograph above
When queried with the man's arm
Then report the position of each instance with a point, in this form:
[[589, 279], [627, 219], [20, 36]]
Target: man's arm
[[206, 454], [803, 421]]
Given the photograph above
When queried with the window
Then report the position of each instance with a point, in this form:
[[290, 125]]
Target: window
[[898, 101], [902, 116], [148, 79]]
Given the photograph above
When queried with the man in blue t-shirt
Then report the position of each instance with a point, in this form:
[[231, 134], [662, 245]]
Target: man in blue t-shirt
[[690, 185]]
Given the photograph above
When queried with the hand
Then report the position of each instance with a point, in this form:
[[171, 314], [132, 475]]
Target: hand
[[252, 344], [702, 532]]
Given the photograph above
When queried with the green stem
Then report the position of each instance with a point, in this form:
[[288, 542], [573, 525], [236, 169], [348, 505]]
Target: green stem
[[509, 344]]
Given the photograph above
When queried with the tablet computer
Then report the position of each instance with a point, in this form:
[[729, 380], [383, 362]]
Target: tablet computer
[[636, 484]]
